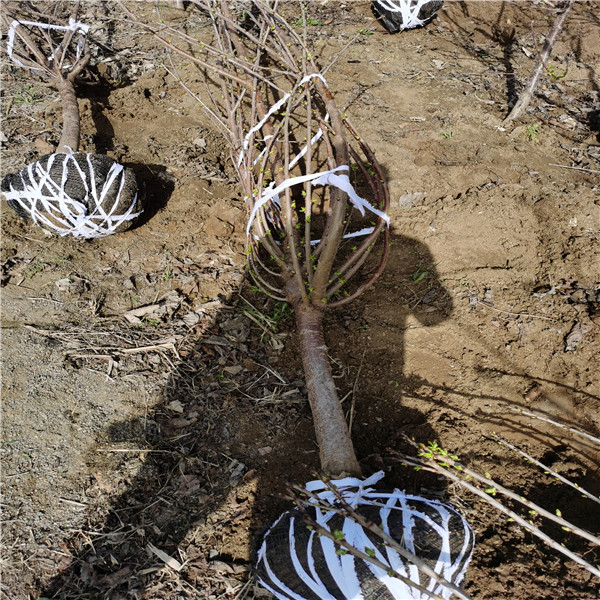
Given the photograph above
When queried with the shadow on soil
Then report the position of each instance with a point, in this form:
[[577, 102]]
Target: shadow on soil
[[197, 478], [232, 426]]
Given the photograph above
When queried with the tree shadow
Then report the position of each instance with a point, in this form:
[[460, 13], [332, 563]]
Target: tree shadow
[[155, 183], [156, 186], [232, 426], [508, 21], [498, 33], [188, 486], [99, 96]]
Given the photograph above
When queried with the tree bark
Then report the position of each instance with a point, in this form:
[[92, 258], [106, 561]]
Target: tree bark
[[335, 445], [69, 140]]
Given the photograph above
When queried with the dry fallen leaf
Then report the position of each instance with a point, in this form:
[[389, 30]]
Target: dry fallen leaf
[[167, 305], [575, 336], [72, 285], [171, 562]]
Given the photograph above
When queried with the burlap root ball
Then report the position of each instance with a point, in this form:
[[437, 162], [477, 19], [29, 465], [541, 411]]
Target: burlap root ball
[[398, 15], [294, 561], [77, 194]]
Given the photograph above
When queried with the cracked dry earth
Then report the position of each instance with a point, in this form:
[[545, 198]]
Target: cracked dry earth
[[142, 452]]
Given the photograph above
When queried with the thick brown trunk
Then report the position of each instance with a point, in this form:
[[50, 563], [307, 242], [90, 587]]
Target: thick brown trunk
[[335, 446], [69, 140]]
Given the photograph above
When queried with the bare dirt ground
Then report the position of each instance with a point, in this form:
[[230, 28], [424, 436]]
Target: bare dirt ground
[[141, 459]]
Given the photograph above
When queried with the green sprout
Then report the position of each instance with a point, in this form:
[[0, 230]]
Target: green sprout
[[28, 95], [433, 451], [554, 74], [532, 131], [300, 22], [37, 267]]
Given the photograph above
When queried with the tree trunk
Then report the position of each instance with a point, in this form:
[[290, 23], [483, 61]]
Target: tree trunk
[[69, 140], [335, 446]]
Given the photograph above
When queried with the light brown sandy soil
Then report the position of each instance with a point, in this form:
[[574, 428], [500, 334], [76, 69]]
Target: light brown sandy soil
[[178, 433]]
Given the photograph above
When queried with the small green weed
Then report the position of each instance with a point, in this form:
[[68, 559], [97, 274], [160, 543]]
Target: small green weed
[[280, 313], [421, 272], [28, 95], [447, 134], [150, 321], [532, 131], [167, 275], [37, 267], [268, 320], [135, 300], [299, 22], [366, 31], [554, 74]]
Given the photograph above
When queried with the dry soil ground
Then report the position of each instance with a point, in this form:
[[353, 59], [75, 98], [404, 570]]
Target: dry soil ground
[[124, 443]]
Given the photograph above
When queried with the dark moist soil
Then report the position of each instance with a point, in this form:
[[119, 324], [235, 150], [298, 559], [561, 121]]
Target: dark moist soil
[[141, 460]]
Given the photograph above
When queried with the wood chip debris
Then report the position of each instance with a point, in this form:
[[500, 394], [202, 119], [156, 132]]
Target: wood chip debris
[[171, 562], [575, 336], [159, 311], [72, 285]]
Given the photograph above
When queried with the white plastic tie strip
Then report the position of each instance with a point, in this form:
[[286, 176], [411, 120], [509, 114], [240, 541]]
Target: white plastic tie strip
[[302, 152], [272, 111], [323, 178], [409, 11], [342, 568], [49, 206], [73, 26]]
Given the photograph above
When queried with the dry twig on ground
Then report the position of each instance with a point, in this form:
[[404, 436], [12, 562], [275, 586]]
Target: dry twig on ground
[[542, 57]]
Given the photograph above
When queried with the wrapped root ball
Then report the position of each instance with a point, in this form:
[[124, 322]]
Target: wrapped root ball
[[78, 194], [397, 15], [294, 561]]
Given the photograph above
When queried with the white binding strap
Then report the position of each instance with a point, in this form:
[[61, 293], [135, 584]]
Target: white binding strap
[[342, 182], [342, 568], [410, 14], [49, 206], [272, 111], [73, 26]]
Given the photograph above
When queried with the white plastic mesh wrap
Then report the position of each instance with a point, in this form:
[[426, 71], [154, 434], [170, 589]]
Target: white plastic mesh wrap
[[77, 194], [294, 562], [397, 15]]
